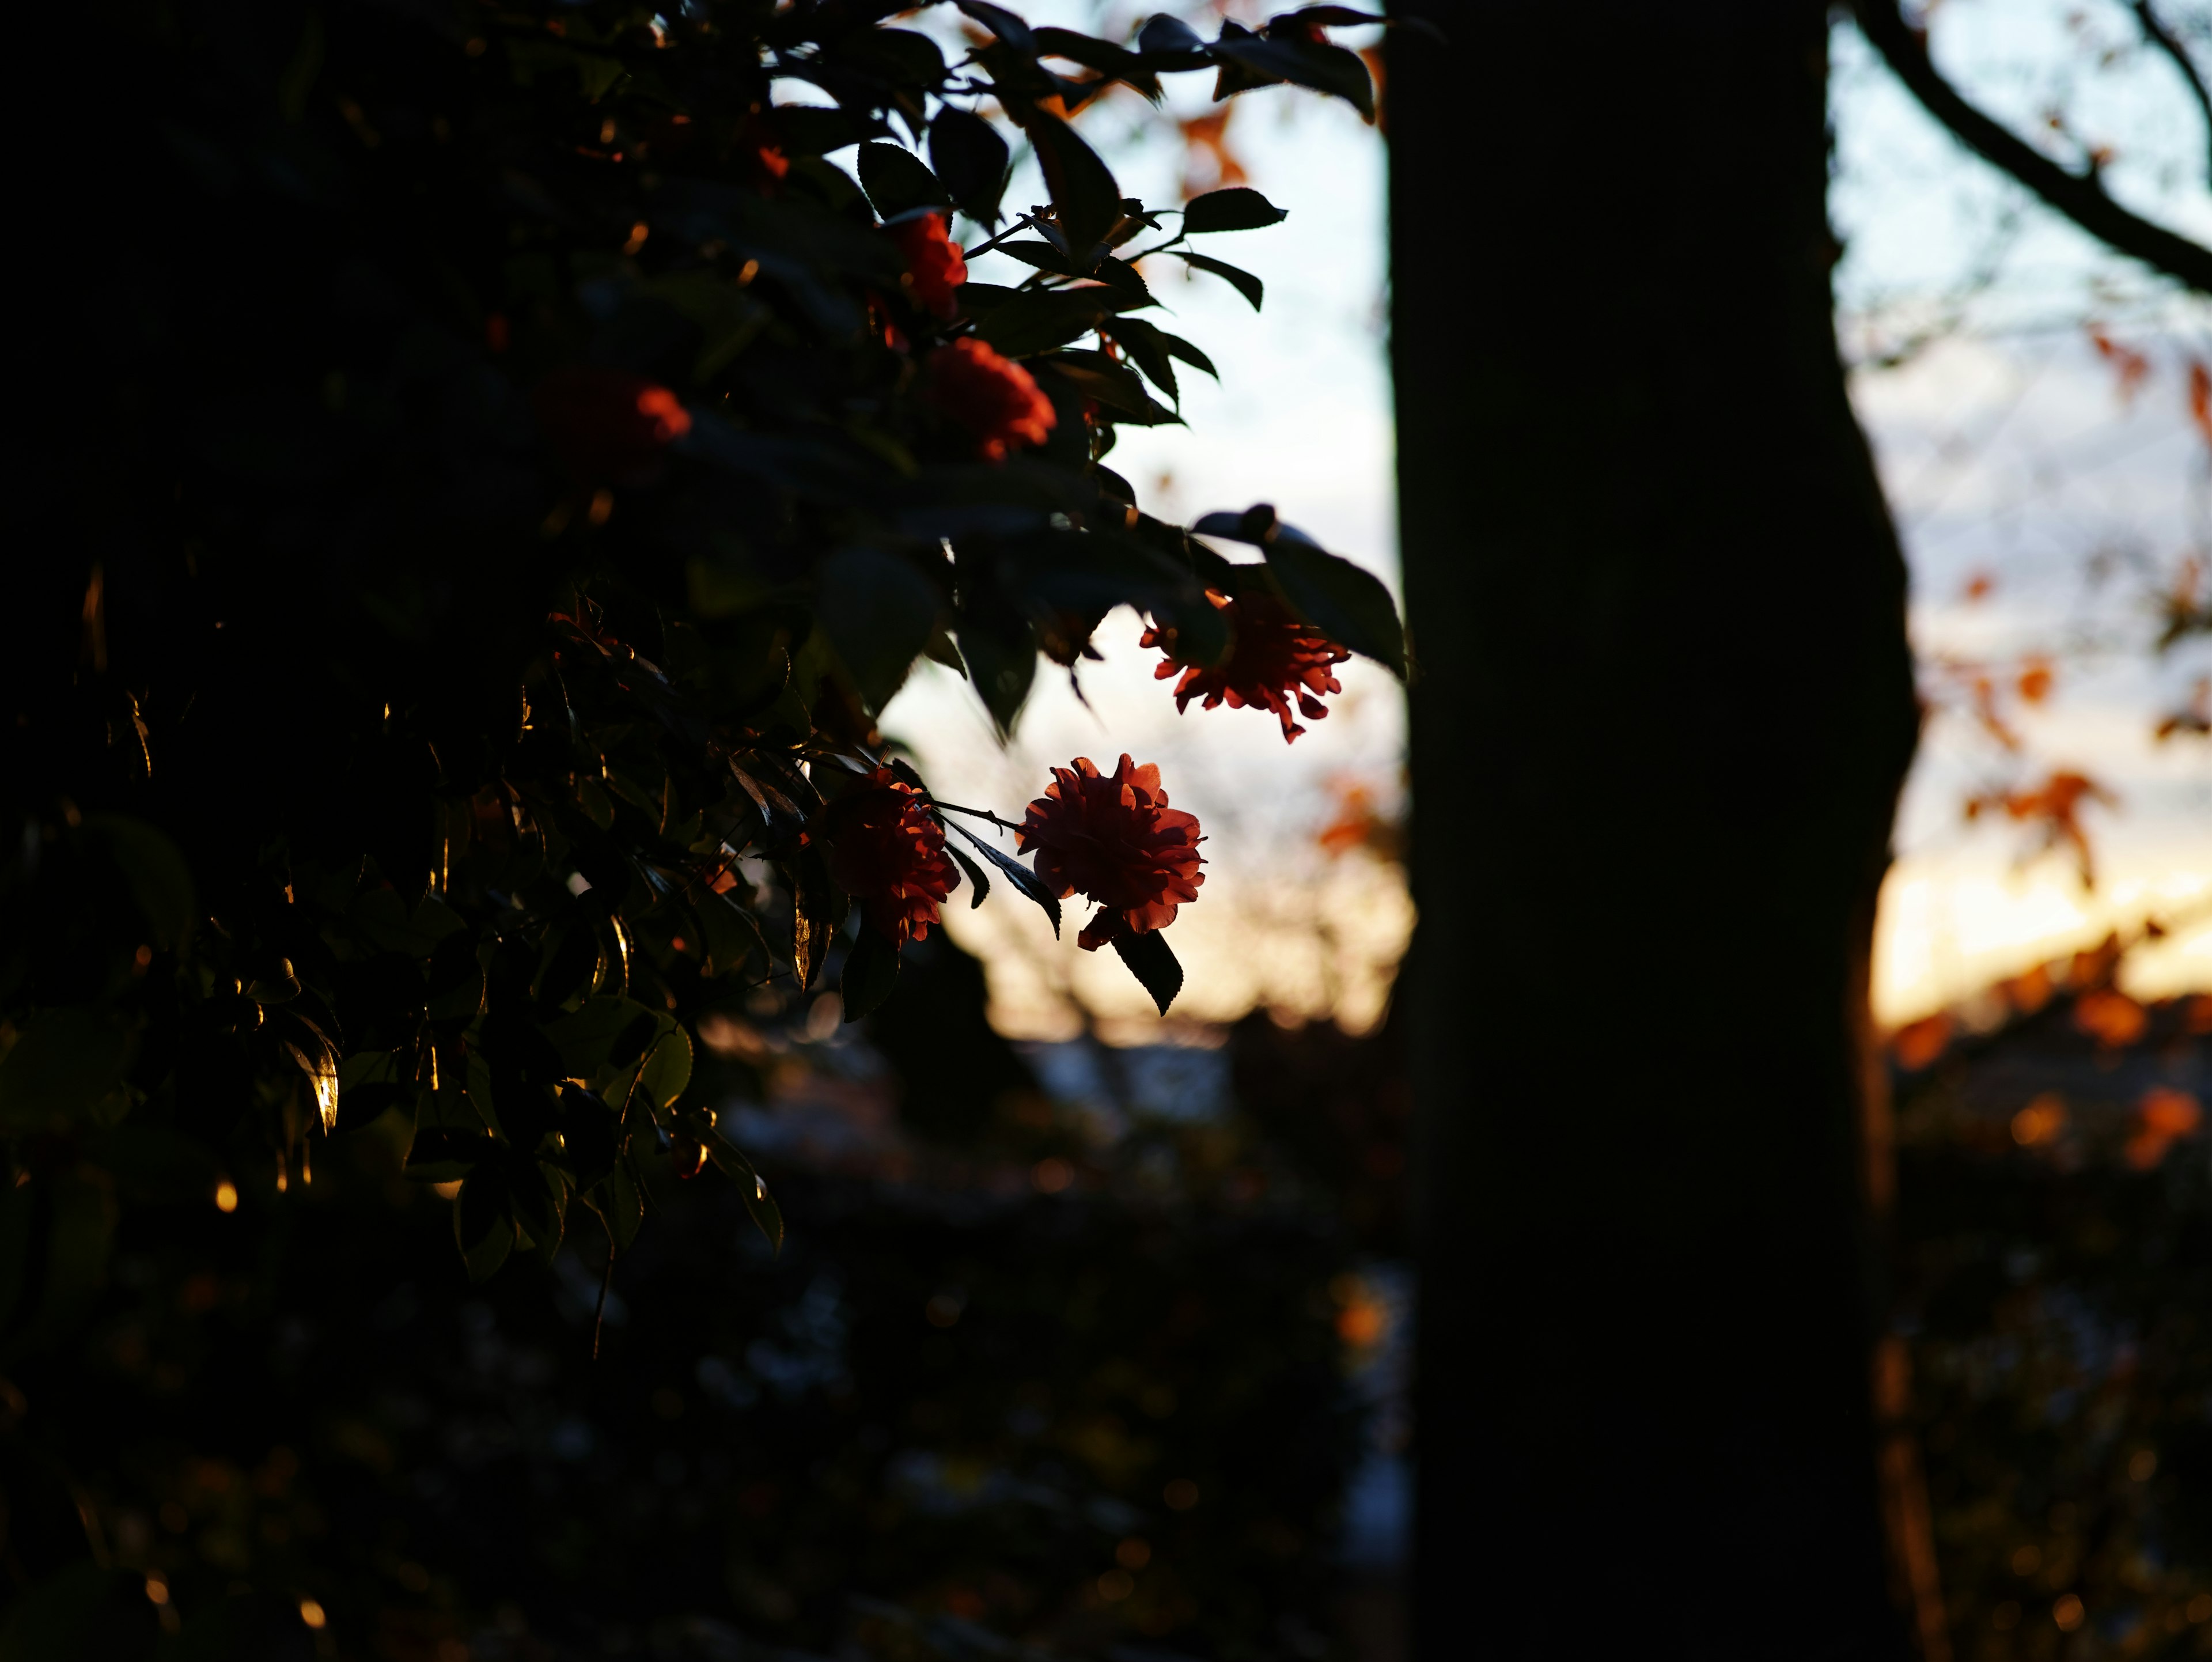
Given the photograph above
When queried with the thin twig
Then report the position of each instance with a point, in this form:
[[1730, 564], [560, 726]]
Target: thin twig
[[980, 813], [2164, 39], [2080, 196], [1026, 222]]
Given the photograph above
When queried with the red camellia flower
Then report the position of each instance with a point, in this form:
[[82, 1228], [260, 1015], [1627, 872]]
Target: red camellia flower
[[887, 851], [1272, 657], [935, 266], [994, 398], [607, 423], [1115, 840]]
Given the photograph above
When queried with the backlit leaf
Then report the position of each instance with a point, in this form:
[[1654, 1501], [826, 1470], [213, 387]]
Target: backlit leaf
[[871, 967], [1235, 209], [972, 161], [896, 180], [878, 611], [1245, 284], [1084, 193], [1015, 872], [1039, 321], [1154, 964]]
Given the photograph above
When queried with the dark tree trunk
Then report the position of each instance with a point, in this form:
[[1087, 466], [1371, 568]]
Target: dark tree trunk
[[1663, 706]]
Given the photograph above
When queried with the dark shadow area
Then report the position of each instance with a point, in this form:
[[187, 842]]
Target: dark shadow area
[[1075, 1357]]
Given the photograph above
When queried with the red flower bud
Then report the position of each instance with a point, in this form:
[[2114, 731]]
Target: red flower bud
[[994, 398], [935, 267], [607, 423], [887, 851], [1116, 841], [1273, 657], [687, 1154]]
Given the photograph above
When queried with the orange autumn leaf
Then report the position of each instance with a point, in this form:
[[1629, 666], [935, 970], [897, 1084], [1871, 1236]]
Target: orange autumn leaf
[[2112, 1017], [1361, 1325], [2131, 365], [2167, 1112], [2028, 993], [2040, 1122], [2163, 1116], [2200, 397], [2194, 718], [1980, 585], [1921, 1042], [2056, 805], [2035, 679], [1377, 71], [1986, 712], [1359, 823], [1206, 139]]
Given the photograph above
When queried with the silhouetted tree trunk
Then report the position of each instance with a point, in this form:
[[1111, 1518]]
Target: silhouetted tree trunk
[[1663, 707]]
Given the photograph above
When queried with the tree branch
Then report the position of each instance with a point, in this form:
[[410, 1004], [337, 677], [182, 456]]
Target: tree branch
[[2080, 196], [2159, 36]]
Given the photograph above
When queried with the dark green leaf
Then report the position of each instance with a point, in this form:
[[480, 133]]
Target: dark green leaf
[[1113, 486], [1001, 658], [1247, 285], [380, 915], [1148, 350], [1153, 963], [1201, 630], [1084, 194], [878, 611], [455, 992], [619, 1199], [1292, 56], [979, 883], [667, 1070], [896, 180], [904, 58], [730, 1160], [1235, 209], [871, 967], [1042, 320], [482, 1221], [971, 159], [1113, 385], [154, 868], [441, 1154], [369, 1082], [1163, 34], [1034, 252], [1114, 62], [1126, 281], [1345, 602], [1001, 22], [1178, 347], [540, 1203], [1015, 872], [729, 936], [818, 908], [811, 130], [64, 1063], [606, 1033]]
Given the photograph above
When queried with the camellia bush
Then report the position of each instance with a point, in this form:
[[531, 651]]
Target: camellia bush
[[506, 467]]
